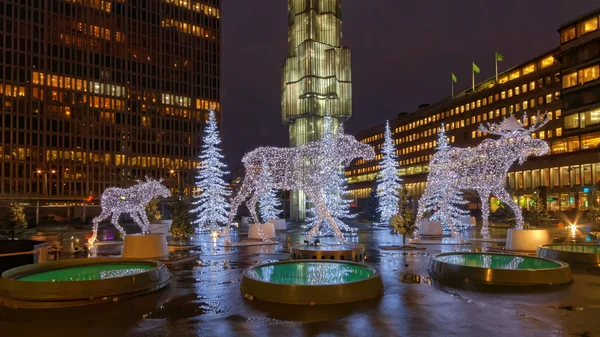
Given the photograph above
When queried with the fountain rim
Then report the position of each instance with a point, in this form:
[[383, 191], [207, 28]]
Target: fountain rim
[[583, 258], [560, 264], [16, 274], [456, 273], [376, 272]]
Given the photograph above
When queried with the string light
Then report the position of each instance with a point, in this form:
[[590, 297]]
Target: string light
[[211, 204], [269, 203], [308, 167], [116, 201], [388, 183], [445, 203], [484, 167], [335, 196]]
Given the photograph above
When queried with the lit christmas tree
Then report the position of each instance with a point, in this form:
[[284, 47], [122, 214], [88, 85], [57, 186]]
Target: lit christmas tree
[[335, 195], [388, 182], [444, 204], [269, 203], [211, 205]]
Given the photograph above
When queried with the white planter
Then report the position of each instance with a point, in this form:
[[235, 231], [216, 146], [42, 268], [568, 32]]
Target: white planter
[[149, 246], [279, 224], [430, 228], [267, 228], [161, 227], [527, 239]]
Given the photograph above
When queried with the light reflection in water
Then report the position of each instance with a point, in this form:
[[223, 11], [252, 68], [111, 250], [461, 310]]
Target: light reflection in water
[[498, 261], [311, 273]]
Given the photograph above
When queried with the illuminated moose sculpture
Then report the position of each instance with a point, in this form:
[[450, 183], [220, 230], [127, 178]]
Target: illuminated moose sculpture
[[116, 201], [484, 168], [307, 167]]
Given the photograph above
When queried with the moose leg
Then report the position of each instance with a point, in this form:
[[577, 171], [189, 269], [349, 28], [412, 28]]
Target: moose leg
[[145, 224], [95, 222], [252, 207], [421, 209], [115, 221], [505, 198], [484, 196], [245, 190]]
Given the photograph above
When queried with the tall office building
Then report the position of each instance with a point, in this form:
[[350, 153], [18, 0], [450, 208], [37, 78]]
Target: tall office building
[[100, 93], [316, 76]]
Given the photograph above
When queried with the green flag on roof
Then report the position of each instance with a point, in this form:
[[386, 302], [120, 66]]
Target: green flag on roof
[[499, 57], [454, 78], [475, 68]]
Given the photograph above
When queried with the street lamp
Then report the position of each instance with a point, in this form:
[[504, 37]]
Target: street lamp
[[173, 172]]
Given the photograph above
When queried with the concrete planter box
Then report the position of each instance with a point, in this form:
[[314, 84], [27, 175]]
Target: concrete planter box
[[267, 228], [430, 228], [150, 246], [161, 227], [527, 239]]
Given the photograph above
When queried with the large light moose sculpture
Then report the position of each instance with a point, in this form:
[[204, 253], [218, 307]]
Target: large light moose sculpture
[[484, 167], [307, 167], [116, 201]]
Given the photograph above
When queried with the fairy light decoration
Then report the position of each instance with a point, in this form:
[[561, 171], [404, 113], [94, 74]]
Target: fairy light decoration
[[210, 205], [308, 167], [116, 201], [484, 167], [269, 205], [388, 183], [335, 195], [445, 204]]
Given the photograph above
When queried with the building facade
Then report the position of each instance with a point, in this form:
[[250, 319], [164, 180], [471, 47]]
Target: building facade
[[316, 78], [100, 93], [562, 83]]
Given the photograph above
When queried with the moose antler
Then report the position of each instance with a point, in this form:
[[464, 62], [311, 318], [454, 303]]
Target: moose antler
[[539, 122], [511, 124]]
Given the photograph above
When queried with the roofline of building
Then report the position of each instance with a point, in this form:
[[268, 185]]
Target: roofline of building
[[460, 94], [579, 18]]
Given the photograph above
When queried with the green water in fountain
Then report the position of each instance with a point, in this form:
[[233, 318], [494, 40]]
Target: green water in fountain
[[88, 273], [498, 261], [311, 273], [575, 248]]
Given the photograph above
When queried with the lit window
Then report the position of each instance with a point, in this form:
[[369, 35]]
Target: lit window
[[558, 132], [524, 88], [503, 95], [569, 80], [515, 74], [567, 34], [525, 105], [588, 74], [528, 69], [542, 135], [548, 98], [548, 61], [571, 121], [510, 92], [558, 113], [503, 79], [532, 85], [517, 90], [588, 25]]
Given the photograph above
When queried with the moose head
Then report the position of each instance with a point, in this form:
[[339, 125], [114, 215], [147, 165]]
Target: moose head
[[154, 188], [517, 136], [349, 149]]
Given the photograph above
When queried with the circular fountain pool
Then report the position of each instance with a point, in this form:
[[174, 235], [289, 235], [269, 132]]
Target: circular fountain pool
[[577, 253], [79, 282], [498, 269], [311, 282]]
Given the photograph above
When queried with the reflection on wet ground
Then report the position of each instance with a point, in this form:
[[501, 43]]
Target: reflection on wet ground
[[203, 299]]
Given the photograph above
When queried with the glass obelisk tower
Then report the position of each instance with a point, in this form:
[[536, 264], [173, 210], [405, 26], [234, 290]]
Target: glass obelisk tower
[[316, 76]]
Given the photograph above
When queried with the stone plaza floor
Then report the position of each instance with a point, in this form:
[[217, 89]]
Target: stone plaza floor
[[204, 299]]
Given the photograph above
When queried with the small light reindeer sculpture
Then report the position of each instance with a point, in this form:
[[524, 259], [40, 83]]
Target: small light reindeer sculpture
[[116, 201], [484, 168], [307, 167]]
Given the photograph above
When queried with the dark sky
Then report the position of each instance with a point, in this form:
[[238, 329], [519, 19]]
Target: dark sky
[[402, 55]]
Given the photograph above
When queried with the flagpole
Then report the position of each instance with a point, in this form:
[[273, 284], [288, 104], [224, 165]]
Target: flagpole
[[452, 80], [496, 58], [473, 77]]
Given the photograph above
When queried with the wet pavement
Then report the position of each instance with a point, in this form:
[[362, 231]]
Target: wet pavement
[[203, 299]]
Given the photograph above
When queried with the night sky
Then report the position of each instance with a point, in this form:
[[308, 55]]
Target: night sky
[[403, 53]]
